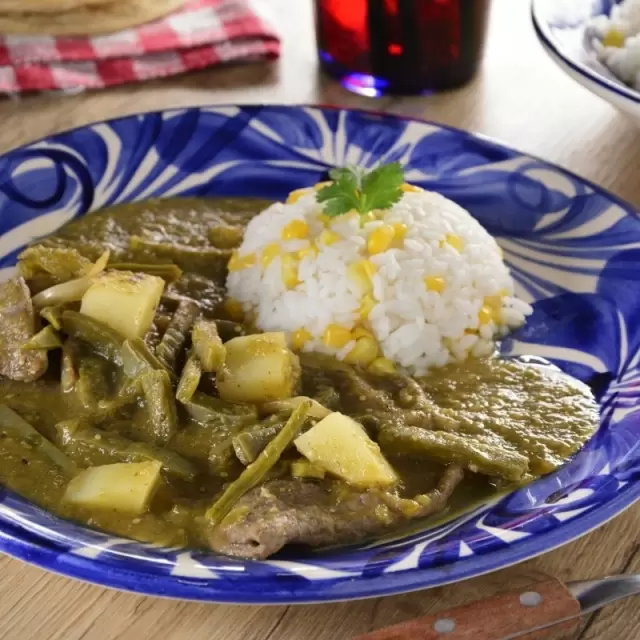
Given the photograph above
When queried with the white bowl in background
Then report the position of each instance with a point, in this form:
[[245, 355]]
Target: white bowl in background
[[560, 26]]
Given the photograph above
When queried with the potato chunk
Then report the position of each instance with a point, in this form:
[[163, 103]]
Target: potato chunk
[[258, 368], [341, 446], [124, 301], [123, 487]]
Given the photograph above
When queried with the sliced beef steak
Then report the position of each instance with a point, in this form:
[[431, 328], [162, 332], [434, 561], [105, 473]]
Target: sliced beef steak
[[18, 324], [316, 513]]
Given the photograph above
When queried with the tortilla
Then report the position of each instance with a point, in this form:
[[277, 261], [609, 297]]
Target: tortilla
[[90, 19], [45, 6]]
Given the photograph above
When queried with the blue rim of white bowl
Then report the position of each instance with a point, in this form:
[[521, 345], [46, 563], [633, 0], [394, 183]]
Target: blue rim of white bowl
[[43, 552], [546, 37]]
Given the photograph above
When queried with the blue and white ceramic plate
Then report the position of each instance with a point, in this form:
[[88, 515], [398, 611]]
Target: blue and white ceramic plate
[[563, 30], [575, 254]]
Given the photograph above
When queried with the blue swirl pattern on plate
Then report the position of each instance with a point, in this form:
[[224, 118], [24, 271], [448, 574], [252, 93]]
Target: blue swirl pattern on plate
[[574, 251]]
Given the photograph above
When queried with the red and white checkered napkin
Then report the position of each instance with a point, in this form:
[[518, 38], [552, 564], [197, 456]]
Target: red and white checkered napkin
[[203, 33]]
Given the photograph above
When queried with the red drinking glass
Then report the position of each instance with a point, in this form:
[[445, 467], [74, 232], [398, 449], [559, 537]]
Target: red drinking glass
[[379, 47]]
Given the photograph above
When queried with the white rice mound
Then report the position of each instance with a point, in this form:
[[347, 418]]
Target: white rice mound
[[416, 328], [623, 61]]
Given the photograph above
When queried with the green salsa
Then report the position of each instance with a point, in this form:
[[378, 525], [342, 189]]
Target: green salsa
[[101, 403]]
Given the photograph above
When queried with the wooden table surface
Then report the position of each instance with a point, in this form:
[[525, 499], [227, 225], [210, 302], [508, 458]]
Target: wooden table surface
[[519, 97]]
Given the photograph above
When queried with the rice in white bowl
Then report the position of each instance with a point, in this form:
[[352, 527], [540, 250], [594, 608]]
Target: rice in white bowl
[[439, 292], [616, 38]]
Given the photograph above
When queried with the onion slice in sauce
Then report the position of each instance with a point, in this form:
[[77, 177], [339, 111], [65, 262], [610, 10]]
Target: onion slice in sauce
[[73, 290]]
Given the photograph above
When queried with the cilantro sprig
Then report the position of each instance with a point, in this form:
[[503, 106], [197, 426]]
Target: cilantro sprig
[[353, 188]]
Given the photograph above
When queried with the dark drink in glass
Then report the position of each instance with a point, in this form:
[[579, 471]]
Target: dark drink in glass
[[379, 47]]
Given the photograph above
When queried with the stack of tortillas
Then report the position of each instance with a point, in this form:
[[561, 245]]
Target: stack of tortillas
[[80, 17]]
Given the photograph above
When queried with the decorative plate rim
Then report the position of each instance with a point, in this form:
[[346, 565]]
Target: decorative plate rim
[[42, 552], [474, 135], [543, 31], [78, 568]]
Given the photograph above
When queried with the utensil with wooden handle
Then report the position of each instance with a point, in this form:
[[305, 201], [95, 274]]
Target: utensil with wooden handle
[[536, 613]]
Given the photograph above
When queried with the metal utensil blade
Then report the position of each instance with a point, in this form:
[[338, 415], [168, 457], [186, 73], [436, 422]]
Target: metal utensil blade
[[594, 594]]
